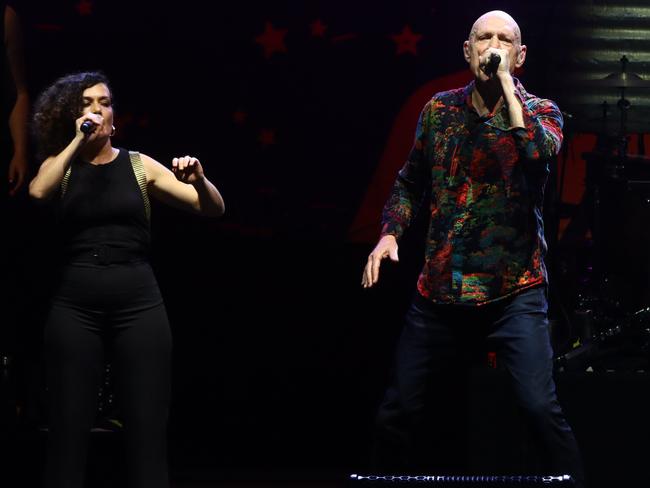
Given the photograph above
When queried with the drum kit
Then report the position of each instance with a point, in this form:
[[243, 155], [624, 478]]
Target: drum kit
[[610, 323]]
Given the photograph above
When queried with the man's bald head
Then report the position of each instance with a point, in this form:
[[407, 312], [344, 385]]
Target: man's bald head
[[498, 14], [494, 32]]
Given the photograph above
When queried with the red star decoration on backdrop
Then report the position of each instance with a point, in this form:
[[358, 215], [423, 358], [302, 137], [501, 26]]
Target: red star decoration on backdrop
[[272, 40], [85, 7], [267, 137], [407, 41], [239, 117], [318, 28]]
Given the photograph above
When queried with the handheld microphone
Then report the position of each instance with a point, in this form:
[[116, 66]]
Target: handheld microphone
[[492, 64], [87, 127]]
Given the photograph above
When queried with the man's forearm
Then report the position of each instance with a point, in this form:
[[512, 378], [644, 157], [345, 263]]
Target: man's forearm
[[515, 110]]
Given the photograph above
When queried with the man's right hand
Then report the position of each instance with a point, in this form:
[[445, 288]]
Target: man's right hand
[[386, 247]]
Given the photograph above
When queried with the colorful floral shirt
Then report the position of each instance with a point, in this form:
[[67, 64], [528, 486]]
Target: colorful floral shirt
[[486, 237]]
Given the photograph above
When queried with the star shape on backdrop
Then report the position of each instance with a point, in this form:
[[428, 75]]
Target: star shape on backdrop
[[407, 41], [318, 28], [85, 7], [266, 137], [272, 40]]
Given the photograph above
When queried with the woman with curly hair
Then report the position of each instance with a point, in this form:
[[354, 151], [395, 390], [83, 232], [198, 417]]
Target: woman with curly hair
[[107, 295]]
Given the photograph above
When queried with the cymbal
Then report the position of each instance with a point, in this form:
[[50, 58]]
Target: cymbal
[[622, 80]]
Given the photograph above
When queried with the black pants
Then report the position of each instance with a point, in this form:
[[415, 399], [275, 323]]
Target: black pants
[[117, 306], [437, 342]]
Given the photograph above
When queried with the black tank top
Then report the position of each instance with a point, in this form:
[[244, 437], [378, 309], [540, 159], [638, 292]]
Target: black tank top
[[103, 206]]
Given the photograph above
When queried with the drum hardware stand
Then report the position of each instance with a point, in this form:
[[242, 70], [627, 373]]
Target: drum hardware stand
[[598, 325]]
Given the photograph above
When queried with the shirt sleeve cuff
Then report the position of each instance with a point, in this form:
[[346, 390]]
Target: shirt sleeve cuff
[[391, 229]]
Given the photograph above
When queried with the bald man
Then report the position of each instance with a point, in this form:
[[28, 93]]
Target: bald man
[[483, 151]]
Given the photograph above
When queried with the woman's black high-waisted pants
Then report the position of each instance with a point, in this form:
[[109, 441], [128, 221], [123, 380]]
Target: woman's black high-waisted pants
[[118, 308]]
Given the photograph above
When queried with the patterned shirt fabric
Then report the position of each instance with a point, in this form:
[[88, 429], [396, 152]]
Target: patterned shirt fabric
[[486, 236]]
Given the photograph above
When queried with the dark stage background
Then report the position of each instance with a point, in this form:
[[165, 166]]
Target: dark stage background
[[301, 113]]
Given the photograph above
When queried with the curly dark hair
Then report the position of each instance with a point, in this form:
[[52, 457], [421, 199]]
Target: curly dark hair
[[58, 107]]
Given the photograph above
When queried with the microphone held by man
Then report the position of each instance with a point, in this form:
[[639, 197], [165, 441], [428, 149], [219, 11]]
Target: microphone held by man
[[492, 64]]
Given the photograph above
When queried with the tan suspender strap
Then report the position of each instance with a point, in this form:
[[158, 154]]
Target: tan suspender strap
[[64, 181], [141, 177]]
